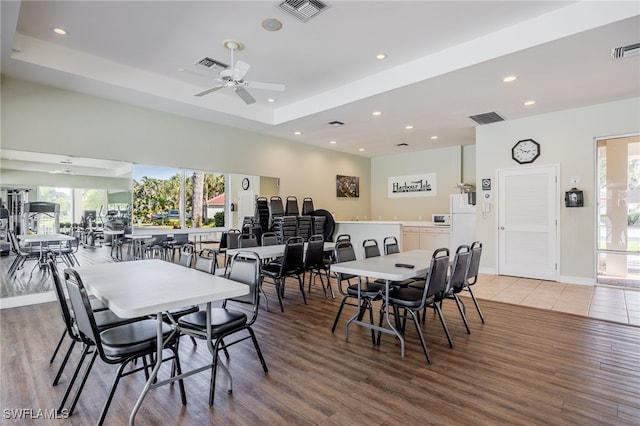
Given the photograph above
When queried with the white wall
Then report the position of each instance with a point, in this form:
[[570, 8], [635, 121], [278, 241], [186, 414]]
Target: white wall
[[446, 163], [567, 138], [45, 119]]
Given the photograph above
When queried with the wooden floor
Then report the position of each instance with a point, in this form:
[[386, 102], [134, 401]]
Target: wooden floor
[[524, 366]]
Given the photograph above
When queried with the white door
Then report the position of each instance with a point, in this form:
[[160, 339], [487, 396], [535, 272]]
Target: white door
[[527, 222]]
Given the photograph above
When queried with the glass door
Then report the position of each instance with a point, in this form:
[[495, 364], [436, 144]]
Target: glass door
[[618, 237]]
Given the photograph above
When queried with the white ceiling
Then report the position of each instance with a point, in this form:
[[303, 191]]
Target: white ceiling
[[446, 61]]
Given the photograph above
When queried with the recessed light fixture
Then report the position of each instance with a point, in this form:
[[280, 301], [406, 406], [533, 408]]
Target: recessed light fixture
[[60, 31], [529, 103], [361, 149], [298, 133], [381, 56], [434, 137], [376, 113], [509, 78], [409, 127], [271, 100], [271, 24], [333, 142]]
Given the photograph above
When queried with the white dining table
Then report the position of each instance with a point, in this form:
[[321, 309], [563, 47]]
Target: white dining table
[[384, 267], [115, 238], [152, 287], [41, 239]]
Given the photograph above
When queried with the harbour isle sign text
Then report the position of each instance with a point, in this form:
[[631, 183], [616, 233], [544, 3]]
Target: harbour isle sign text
[[423, 185]]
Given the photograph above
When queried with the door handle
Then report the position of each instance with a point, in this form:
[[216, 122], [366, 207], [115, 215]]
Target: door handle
[[502, 228]]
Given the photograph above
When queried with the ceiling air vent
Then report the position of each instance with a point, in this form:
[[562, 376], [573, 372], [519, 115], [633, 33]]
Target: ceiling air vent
[[625, 51], [211, 64], [486, 118], [303, 10]]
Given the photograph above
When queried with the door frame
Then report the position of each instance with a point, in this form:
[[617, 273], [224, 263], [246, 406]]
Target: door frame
[[557, 211]]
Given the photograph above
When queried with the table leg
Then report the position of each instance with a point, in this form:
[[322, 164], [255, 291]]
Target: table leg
[[391, 330]]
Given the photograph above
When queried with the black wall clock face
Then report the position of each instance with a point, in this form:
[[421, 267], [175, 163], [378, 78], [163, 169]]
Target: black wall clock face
[[245, 183], [525, 151]]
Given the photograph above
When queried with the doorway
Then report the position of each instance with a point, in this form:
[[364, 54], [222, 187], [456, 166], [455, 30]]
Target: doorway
[[527, 222], [618, 221]]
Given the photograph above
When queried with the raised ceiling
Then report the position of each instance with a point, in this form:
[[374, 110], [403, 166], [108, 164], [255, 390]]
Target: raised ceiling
[[445, 62]]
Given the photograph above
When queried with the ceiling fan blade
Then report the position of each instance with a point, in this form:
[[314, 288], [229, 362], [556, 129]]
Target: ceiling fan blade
[[246, 96], [240, 69], [206, 92], [265, 86]]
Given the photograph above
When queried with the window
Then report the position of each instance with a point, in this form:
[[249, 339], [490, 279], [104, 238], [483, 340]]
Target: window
[[175, 198], [618, 237]]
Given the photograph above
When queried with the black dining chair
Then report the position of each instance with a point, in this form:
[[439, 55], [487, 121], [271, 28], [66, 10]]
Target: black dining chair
[[413, 300], [269, 239], [186, 255], [369, 291], [290, 265], [391, 245], [314, 262], [225, 321], [472, 274], [116, 345], [458, 280], [247, 241], [104, 318], [233, 236]]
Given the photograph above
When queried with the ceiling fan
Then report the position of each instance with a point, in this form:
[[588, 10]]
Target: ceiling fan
[[233, 77]]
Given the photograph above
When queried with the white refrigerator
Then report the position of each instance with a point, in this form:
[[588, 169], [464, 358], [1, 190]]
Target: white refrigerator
[[463, 221]]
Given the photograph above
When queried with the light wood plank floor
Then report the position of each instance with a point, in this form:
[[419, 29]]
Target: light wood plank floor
[[523, 366]]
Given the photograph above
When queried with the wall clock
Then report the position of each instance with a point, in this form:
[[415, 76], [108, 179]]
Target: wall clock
[[245, 183], [525, 151]]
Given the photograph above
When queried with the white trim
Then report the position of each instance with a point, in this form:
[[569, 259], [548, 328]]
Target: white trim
[[26, 300], [566, 279], [488, 271]]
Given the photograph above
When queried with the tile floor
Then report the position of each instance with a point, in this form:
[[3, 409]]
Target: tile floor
[[608, 303]]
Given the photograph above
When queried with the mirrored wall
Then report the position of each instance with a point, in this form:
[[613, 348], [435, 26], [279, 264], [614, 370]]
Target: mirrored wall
[[94, 192]]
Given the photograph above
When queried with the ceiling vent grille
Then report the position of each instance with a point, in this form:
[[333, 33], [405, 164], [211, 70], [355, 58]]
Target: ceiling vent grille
[[625, 51], [486, 118], [303, 10], [211, 64]]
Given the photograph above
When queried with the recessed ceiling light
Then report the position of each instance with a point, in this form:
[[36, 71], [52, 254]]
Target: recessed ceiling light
[[297, 133], [434, 137], [271, 100], [271, 24], [60, 31], [529, 103], [409, 127], [332, 142], [361, 149], [381, 56], [376, 113], [509, 78]]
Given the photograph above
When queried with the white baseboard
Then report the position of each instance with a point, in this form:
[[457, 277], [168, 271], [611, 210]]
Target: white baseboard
[[577, 280], [29, 299], [487, 271]]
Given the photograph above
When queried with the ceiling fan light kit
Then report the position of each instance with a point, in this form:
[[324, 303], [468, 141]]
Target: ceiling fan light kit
[[233, 77]]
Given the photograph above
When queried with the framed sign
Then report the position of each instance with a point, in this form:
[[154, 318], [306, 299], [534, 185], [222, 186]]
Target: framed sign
[[347, 186], [423, 185]]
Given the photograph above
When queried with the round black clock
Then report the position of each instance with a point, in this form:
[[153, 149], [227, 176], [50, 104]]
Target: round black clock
[[245, 183], [525, 151]]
